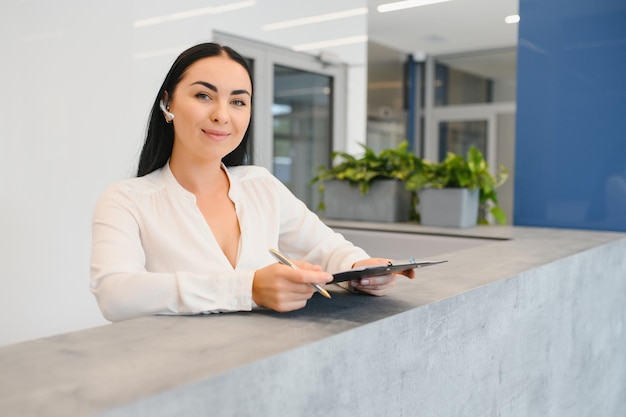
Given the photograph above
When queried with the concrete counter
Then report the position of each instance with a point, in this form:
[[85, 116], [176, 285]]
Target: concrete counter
[[530, 325]]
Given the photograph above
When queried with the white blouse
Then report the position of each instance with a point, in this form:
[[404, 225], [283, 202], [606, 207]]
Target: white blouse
[[154, 253]]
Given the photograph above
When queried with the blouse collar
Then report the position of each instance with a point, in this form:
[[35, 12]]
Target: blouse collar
[[171, 180]]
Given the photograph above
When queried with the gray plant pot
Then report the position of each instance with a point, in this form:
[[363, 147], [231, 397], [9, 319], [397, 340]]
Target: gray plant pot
[[448, 207], [387, 201]]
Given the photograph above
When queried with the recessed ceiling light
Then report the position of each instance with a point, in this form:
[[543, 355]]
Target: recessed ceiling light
[[193, 13], [514, 18], [316, 19], [406, 4], [330, 43]]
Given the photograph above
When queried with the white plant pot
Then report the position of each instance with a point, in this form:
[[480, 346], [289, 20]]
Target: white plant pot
[[448, 207], [386, 201]]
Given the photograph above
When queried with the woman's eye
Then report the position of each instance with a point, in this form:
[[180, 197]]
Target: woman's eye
[[203, 96], [239, 102]]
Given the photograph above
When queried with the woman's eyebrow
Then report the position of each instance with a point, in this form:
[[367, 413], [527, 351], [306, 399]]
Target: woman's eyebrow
[[214, 88], [236, 92], [207, 85]]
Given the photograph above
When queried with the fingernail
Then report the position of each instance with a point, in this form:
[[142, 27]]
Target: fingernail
[[365, 281]]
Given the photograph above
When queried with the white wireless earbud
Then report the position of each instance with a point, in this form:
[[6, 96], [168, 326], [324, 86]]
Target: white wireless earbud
[[168, 116]]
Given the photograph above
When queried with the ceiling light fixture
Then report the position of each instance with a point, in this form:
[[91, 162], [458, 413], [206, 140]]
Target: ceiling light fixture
[[406, 4], [514, 18], [193, 13], [328, 44], [316, 19]]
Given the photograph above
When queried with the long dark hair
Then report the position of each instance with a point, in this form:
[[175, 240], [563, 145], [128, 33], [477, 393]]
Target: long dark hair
[[157, 148]]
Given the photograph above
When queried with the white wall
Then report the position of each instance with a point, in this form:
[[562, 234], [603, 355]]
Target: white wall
[[77, 83]]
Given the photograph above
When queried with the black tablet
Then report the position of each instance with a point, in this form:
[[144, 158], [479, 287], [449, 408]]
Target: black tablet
[[374, 271]]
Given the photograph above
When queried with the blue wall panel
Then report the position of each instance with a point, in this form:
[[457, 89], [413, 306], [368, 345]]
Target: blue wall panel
[[571, 115]]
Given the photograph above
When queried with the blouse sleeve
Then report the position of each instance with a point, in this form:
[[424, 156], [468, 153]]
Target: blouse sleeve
[[124, 288], [305, 236]]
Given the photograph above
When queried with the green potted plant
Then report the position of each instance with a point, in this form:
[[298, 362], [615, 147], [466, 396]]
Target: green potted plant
[[466, 188], [372, 187]]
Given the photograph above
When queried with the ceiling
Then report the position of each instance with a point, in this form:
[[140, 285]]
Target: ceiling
[[445, 28], [467, 34], [453, 28]]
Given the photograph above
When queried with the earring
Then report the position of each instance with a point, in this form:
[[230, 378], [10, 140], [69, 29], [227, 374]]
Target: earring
[[166, 111]]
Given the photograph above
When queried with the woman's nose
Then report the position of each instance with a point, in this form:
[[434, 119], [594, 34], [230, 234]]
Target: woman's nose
[[219, 113]]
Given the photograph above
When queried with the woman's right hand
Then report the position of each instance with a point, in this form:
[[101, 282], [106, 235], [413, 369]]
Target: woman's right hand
[[282, 288]]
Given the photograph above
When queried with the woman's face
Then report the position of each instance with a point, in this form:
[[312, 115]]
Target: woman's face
[[212, 108]]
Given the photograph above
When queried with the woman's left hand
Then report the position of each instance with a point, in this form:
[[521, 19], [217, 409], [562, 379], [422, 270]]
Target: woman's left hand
[[380, 285]]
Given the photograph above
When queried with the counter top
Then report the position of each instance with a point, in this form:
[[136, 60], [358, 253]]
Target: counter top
[[108, 368], [498, 232]]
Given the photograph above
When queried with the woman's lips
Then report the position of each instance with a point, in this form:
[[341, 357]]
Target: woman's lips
[[216, 135]]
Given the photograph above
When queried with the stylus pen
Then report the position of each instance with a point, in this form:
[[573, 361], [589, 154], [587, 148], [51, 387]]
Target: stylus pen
[[280, 258]]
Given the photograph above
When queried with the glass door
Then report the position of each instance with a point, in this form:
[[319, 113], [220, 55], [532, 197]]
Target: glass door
[[469, 99], [302, 121]]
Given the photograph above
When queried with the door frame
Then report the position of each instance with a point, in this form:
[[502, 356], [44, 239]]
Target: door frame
[[466, 113]]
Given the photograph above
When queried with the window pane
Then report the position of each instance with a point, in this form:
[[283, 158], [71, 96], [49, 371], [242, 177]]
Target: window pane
[[476, 78], [458, 137]]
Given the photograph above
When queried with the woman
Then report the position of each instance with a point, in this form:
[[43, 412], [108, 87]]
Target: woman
[[191, 233]]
